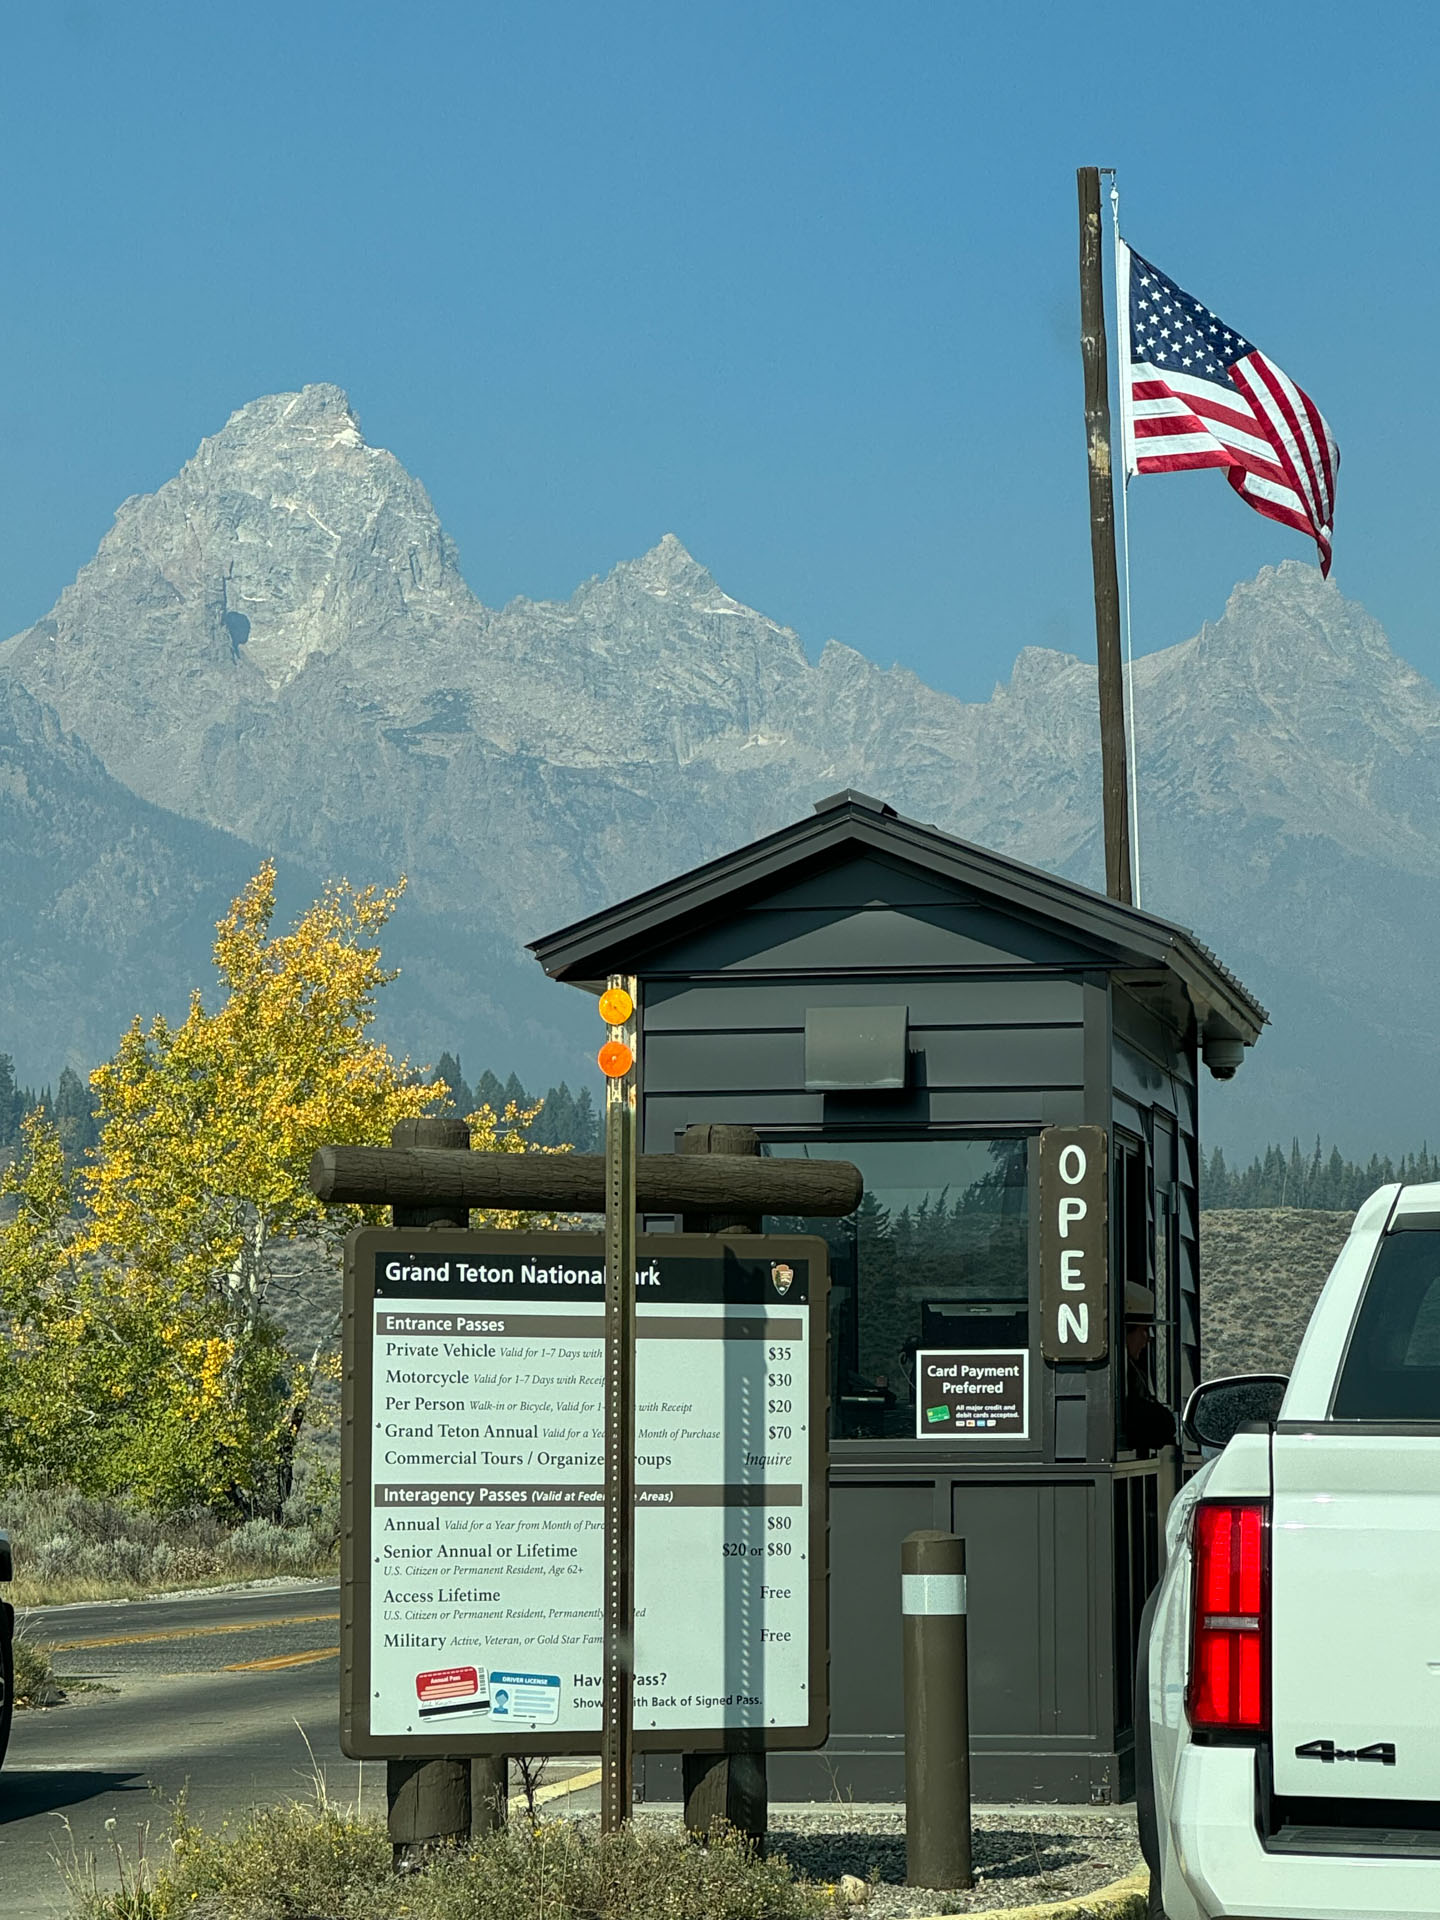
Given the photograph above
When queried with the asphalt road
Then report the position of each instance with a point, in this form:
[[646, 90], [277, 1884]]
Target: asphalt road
[[220, 1692]]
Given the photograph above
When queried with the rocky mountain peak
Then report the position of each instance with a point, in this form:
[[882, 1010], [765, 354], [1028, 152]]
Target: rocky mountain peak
[[667, 569], [320, 414], [1288, 613], [1292, 657], [668, 612], [1036, 669], [286, 539]]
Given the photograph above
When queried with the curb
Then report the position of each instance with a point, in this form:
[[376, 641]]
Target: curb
[[577, 1783], [1125, 1899]]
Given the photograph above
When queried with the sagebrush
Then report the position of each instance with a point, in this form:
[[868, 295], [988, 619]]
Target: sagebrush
[[35, 1682], [322, 1862], [74, 1546]]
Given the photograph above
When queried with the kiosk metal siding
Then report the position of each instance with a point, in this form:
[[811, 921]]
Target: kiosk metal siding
[[980, 1048], [771, 1060], [1153, 1082]]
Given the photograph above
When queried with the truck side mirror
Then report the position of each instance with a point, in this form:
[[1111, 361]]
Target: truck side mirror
[[1217, 1411]]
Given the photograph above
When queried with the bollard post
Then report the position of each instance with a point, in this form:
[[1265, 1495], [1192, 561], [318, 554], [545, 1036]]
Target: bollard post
[[937, 1710], [430, 1802]]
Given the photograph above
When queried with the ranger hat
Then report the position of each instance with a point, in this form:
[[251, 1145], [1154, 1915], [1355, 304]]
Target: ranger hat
[[1139, 1301]]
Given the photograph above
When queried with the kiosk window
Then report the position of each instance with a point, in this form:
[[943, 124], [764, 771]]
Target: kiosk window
[[936, 1256]]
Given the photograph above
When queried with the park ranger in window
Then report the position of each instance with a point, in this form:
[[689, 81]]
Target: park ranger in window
[[1146, 1424]]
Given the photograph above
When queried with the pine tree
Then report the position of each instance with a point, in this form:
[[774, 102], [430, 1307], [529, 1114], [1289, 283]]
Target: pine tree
[[461, 1100], [556, 1125], [1272, 1177], [490, 1092], [587, 1125], [1215, 1180], [11, 1103], [74, 1111], [1292, 1184], [1314, 1175], [1335, 1187], [515, 1094]]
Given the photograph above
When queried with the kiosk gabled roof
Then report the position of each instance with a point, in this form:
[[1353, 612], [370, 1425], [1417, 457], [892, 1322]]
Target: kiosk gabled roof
[[1148, 951]]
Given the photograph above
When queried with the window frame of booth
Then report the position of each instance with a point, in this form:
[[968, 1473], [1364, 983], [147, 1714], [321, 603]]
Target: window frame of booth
[[952, 1451]]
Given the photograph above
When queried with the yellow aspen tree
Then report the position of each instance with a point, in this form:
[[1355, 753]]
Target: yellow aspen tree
[[207, 1129], [108, 1384]]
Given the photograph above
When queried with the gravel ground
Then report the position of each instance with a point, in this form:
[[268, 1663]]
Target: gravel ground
[[1021, 1859]]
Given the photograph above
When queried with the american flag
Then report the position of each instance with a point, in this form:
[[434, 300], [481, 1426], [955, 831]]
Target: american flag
[[1197, 394]]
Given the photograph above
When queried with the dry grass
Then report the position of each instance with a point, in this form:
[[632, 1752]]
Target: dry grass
[[35, 1682], [1261, 1271], [322, 1862]]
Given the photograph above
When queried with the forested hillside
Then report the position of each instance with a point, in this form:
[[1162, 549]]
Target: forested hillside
[[1319, 1181]]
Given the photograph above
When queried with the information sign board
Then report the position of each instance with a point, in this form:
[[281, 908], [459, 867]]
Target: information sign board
[[472, 1578], [982, 1393]]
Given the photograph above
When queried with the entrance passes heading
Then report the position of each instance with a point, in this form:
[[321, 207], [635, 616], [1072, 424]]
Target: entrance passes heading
[[474, 1461]]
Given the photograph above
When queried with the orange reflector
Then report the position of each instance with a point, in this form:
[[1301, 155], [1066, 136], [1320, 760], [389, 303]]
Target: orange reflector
[[616, 1006], [615, 1058]]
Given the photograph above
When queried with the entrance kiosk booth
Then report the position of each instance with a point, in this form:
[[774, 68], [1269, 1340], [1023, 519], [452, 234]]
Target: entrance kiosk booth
[[859, 986]]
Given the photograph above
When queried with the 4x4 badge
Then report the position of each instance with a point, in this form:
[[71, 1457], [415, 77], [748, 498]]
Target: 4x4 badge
[[1382, 1751]]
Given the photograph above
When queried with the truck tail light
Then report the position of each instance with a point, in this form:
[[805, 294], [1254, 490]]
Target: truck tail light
[[1229, 1689]]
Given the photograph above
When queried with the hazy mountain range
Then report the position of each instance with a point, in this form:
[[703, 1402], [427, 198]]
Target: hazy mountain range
[[277, 652]]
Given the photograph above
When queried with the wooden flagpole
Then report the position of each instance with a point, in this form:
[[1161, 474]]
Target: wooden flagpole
[[1113, 772]]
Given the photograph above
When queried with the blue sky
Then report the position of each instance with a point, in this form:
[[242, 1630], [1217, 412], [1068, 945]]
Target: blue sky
[[794, 281]]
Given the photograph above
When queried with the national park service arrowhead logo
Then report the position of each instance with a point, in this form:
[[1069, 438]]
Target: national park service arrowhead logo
[[782, 1278]]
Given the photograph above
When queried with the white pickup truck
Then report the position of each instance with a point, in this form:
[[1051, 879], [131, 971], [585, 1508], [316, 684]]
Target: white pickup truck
[[1289, 1765]]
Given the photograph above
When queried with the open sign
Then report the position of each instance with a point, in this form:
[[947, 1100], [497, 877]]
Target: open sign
[[1074, 1244]]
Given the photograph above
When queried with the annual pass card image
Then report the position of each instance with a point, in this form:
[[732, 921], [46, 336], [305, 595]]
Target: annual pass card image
[[452, 1690]]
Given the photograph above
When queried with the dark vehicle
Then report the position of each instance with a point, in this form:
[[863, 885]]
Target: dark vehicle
[[7, 1648]]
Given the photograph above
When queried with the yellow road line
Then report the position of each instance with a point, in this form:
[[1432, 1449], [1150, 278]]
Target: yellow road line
[[189, 1633], [284, 1660]]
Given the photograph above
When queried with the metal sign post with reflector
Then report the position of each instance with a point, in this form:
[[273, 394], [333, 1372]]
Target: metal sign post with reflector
[[617, 1742]]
